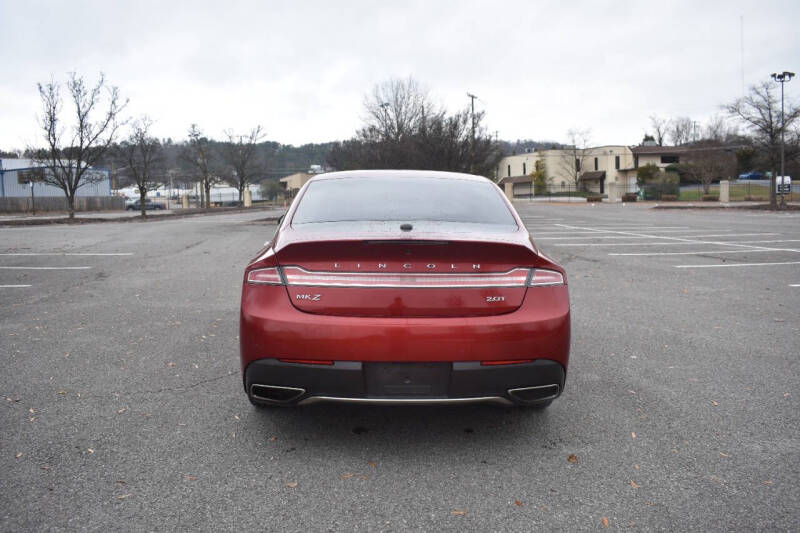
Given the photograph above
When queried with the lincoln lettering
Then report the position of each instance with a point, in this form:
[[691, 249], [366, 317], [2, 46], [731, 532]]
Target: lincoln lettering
[[409, 266]]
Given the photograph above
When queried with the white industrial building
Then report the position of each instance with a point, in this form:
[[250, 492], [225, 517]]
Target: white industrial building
[[15, 181]]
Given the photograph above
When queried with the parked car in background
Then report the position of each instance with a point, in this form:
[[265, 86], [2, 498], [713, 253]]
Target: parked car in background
[[403, 287], [752, 175], [149, 204]]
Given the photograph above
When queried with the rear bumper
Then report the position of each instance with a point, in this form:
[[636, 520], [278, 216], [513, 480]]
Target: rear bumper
[[270, 381], [271, 327]]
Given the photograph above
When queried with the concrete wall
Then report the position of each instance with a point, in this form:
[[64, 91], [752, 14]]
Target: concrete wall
[[53, 203]]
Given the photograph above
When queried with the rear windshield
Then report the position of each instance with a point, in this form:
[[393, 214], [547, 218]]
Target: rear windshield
[[402, 199]]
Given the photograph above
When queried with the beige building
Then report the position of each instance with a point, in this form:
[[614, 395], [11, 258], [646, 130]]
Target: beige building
[[650, 154], [293, 182], [600, 169]]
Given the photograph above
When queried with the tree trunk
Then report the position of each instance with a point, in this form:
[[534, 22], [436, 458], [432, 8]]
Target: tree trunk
[[71, 205], [241, 195], [207, 185], [202, 196], [142, 200]]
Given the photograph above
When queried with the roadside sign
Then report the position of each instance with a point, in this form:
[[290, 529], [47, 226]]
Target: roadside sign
[[783, 184]]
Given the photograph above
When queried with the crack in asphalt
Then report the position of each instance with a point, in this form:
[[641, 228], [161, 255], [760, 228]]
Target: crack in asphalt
[[179, 389]]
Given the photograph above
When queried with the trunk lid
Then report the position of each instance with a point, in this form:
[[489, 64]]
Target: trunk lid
[[424, 276]]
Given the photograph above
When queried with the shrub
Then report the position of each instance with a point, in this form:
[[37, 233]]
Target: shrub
[[594, 198], [710, 198], [629, 197], [668, 197]]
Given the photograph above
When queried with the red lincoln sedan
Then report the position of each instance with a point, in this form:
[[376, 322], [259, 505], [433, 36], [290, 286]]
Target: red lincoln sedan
[[403, 287]]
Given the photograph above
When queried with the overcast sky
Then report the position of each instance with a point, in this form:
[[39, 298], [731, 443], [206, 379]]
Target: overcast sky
[[301, 69]]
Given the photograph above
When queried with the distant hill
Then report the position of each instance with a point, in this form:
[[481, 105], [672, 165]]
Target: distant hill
[[521, 146]]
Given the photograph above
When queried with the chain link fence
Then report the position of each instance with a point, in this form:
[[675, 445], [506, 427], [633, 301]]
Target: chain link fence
[[555, 193], [745, 191]]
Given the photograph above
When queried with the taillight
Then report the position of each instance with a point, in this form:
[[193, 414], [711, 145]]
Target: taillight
[[543, 278], [265, 276]]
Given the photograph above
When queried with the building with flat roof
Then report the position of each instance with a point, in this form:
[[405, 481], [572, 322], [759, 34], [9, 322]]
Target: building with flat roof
[[18, 176]]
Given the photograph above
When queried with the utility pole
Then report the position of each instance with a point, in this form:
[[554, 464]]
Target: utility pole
[[472, 98], [782, 78]]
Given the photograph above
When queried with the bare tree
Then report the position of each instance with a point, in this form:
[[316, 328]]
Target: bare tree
[[73, 150], [240, 153], [759, 112], [708, 163], [197, 157], [680, 130], [573, 157], [396, 108], [718, 129], [142, 157], [660, 128], [403, 129]]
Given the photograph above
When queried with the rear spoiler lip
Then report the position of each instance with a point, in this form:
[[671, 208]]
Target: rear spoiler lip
[[290, 236]]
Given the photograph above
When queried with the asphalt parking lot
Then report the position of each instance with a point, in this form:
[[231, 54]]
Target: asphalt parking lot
[[122, 405]]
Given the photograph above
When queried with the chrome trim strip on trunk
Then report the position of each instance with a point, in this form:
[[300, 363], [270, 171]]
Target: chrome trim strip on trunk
[[514, 278]]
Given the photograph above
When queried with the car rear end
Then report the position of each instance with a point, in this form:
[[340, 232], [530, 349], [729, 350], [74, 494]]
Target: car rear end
[[403, 287]]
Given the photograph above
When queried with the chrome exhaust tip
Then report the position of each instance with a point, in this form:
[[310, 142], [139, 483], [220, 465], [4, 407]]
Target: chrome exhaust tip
[[275, 393], [539, 393]]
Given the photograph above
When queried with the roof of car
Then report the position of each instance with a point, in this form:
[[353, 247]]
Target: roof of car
[[397, 174]]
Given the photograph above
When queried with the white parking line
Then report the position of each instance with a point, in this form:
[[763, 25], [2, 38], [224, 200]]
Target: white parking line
[[599, 235], [794, 284], [679, 239], [13, 286], [657, 243], [779, 240], [706, 252], [733, 235], [665, 237], [738, 265], [44, 268], [628, 225], [61, 254]]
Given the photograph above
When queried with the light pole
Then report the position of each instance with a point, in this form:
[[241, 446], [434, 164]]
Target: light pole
[[782, 78], [472, 98]]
